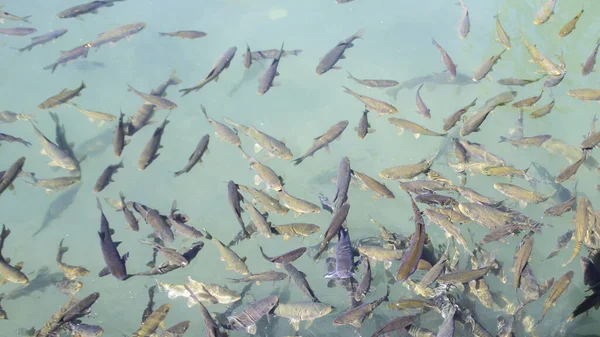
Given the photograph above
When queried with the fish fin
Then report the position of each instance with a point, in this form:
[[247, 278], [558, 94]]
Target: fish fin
[[400, 131], [387, 264], [371, 130], [257, 180], [417, 135], [251, 329], [257, 148], [522, 203], [295, 323], [116, 243], [104, 272], [162, 325], [286, 237]]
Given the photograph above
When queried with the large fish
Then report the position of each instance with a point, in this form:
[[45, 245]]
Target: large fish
[[115, 263], [337, 53], [323, 141], [222, 63]]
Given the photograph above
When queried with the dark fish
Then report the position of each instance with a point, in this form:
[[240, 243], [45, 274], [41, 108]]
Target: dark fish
[[177, 330], [150, 306], [337, 221], [334, 55], [562, 208], [7, 16], [158, 223], [412, 255], [222, 63], [189, 254], [364, 285], [422, 109], [107, 176], [455, 117], [235, 199], [443, 78], [62, 97], [518, 81], [115, 264], [344, 261], [266, 81], [85, 330], [80, 308], [356, 315], [288, 257], [363, 127], [450, 66], [42, 39], [342, 184], [300, 281], [86, 8], [561, 242], [398, 323], [196, 156], [248, 318], [70, 55], [323, 141], [150, 151], [588, 67], [119, 142], [212, 328], [522, 256], [185, 34], [591, 274], [17, 31], [11, 174]]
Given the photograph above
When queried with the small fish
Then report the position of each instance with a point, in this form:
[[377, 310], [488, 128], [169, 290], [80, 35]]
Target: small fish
[[337, 53], [128, 214], [585, 94], [85, 330], [364, 285], [451, 121], [222, 63], [561, 242], [234, 262], [302, 311], [119, 33], [569, 26], [107, 176], [407, 172], [581, 225], [364, 127], [518, 81], [522, 256], [185, 34], [247, 318], [344, 260], [450, 66], [196, 156], [8, 272], [151, 324], [464, 24], [222, 131], [379, 188], [12, 139], [544, 13], [58, 156], [261, 277], [323, 141], [119, 141], [94, 115], [70, 55], [86, 8], [558, 288], [372, 104], [71, 272], [474, 122], [62, 97], [266, 82], [80, 309], [272, 53], [354, 316], [411, 258], [569, 171], [115, 263], [484, 69], [296, 229], [17, 31], [336, 223], [543, 111], [247, 61], [422, 109], [527, 102], [157, 101], [43, 39], [7, 16], [374, 83], [562, 208], [170, 254], [416, 129], [503, 38], [150, 151], [588, 67], [11, 174], [263, 226], [525, 142], [235, 199]]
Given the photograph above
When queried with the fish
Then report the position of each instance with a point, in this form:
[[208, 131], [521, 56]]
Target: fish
[[17, 31], [58, 157], [560, 209], [518, 81], [485, 68], [268, 203], [363, 287], [85, 330], [177, 222], [451, 121], [446, 329], [330, 59], [185, 34], [235, 199], [561, 242], [86, 8], [150, 151], [344, 260], [115, 263], [522, 256], [157, 222], [544, 13], [119, 33], [150, 306], [379, 188], [43, 39], [323, 141], [302, 311], [62, 97], [342, 183], [70, 55], [503, 38], [145, 113], [157, 101], [354, 316], [474, 122], [407, 172], [336, 223], [295, 229], [300, 281], [263, 226], [364, 127], [527, 102], [7, 16], [585, 94], [196, 156], [543, 111], [464, 24], [11, 174], [569, 26], [94, 115], [119, 141], [247, 318], [222, 63], [558, 288], [170, 254], [581, 226], [10, 117], [569, 171], [299, 206], [106, 177], [80, 309], [450, 66], [422, 109], [411, 258], [151, 324], [247, 58], [525, 142], [521, 195], [266, 82], [71, 272], [416, 129], [234, 262], [222, 131], [261, 277], [10, 273], [212, 328], [374, 83], [272, 53], [588, 67], [372, 104]]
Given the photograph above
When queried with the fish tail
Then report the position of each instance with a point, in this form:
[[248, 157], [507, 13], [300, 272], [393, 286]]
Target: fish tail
[[61, 251], [99, 204], [298, 161], [360, 33], [122, 196], [296, 51], [26, 19], [186, 91], [234, 280], [502, 139], [173, 79]]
